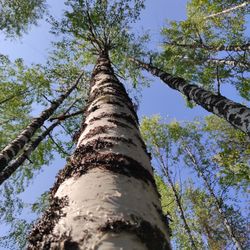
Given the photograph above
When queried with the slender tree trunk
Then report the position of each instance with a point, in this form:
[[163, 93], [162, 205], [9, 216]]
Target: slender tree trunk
[[105, 198], [235, 48], [11, 168], [236, 114], [218, 203], [14, 147], [227, 10], [165, 170]]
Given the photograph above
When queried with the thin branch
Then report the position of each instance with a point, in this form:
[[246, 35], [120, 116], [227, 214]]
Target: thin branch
[[63, 117], [227, 10]]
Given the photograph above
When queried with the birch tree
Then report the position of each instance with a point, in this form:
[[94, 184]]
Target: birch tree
[[110, 157], [236, 114]]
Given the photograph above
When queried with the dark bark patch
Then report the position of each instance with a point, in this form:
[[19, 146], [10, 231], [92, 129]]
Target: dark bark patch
[[119, 124], [150, 235], [71, 245], [98, 130], [144, 147], [128, 118], [44, 227], [88, 158], [122, 139], [111, 98], [164, 218]]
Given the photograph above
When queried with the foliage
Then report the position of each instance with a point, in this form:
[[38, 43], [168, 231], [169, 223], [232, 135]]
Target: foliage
[[193, 49], [25, 92], [175, 144], [17, 16]]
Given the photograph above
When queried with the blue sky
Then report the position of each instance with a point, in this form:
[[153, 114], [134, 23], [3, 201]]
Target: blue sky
[[158, 99]]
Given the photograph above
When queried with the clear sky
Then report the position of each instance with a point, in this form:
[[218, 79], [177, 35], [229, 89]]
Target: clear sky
[[158, 99]]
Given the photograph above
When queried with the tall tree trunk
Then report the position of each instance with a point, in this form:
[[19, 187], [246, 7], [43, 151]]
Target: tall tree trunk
[[236, 48], [14, 147], [105, 197], [236, 114], [218, 203]]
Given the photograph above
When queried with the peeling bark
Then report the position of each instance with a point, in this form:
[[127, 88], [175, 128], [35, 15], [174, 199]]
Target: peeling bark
[[236, 114], [112, 200], [14, 147]]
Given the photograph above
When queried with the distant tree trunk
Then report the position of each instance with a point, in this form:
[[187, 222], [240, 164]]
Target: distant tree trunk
[[236, 48], [166, 172], [218, 203], [14, 147], [105, 197], [236, 114]]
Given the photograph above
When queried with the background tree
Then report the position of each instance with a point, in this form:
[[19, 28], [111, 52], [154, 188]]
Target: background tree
[[168, 143]]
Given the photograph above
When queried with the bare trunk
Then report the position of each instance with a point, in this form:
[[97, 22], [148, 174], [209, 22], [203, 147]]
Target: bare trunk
[[227, 10], [218, 203], [14, 147], [105, 198], [236, 114]]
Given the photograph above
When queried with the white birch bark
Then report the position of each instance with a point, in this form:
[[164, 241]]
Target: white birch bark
[[105, 198]]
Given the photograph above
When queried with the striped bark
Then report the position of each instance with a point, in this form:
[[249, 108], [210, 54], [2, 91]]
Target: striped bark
[[218, 202], [10, 169], [235, 48], [105, 198], [236, 114], [14, 147]]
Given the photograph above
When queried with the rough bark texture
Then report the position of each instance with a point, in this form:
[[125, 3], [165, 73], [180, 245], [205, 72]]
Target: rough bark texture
[[107, 188], [218, 202], [236, 114], [14, 147]]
